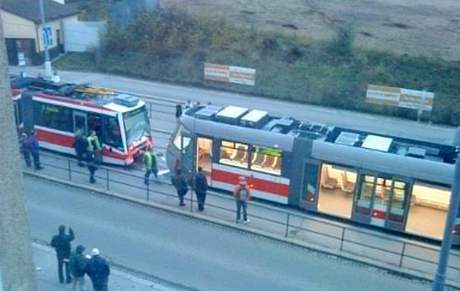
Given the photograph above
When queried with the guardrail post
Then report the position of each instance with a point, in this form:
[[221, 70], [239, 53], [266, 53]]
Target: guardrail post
[[402, 255], [107, 179], [191, 200], [150, 110], [69, 169], [342, 238], [148, 192], [286, 233]]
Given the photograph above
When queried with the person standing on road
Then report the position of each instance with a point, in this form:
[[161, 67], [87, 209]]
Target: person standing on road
[[92, 166], [150, 163], [62, 244], [178, 110], [80, 145], [32, 143], [25, 149], [201, 186], [98, 271], [180, 183], [242, 195], [94, 146], [77, 266]]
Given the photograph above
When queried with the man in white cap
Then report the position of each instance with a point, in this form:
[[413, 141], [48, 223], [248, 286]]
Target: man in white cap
[[98, 270], [242, 195]]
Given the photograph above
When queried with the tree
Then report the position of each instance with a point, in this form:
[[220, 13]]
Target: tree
[[17, 271]]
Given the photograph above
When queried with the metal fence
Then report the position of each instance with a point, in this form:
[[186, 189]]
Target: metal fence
[[374, 246]]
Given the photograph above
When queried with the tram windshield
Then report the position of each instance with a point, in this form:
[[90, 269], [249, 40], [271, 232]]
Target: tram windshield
[[136, 124]]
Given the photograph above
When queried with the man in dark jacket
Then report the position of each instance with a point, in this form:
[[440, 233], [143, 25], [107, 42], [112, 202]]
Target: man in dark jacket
[[32, 144], [201, 186], [92, 165], [77, 265], [80, 145], [98, 270], [25, 149], [61, 243], [180, 183]]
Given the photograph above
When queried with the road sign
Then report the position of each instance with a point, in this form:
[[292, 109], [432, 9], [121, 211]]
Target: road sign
[[47, 36], [400, 97], [229, 74]]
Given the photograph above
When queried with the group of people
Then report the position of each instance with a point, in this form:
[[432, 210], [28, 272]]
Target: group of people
[[199, 183], [88, 149], [76, 264], [30, 148]]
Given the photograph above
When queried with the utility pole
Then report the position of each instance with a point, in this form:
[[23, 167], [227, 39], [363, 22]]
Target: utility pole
[[440, 277], [17, 271], [48, 70]]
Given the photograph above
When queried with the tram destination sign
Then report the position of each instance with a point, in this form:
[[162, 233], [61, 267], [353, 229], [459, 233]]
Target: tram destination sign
[[400, 97], [229, 74]]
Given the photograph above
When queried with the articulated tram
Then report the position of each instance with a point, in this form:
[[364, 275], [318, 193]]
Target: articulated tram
[[386, 181], [56, 111]]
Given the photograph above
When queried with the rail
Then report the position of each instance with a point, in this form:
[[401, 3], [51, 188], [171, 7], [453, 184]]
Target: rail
[[397, 252]]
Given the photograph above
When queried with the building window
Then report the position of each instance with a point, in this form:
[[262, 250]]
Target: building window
[[428, 209], [267, 160], [234, 154], [337, 190], [52, 116]]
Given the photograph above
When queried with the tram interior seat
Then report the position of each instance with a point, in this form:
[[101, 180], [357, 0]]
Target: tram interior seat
[[327, 181], [347, 185], [258, 159], [269, 162], [239, 154]]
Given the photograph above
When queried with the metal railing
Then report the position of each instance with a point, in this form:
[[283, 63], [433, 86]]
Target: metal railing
[[386, 250]]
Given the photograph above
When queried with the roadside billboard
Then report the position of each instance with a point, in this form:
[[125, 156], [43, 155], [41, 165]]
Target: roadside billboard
[[229, 74], [400, 97]]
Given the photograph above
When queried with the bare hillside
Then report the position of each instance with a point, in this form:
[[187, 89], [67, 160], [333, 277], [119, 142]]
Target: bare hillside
[[418, 27]]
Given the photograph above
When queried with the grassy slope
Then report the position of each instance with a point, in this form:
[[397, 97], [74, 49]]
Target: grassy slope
[[172, 46]]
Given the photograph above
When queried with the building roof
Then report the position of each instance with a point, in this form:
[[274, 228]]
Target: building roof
[[30, 9]]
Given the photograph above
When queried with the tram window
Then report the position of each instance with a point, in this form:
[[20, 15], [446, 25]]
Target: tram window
[[367, 190], [383, 191], [266, 160], [112, 133], [52, 116], [182, 138], [95, 123], [428, 208], [337, 187], [399, 191], [234, 154]]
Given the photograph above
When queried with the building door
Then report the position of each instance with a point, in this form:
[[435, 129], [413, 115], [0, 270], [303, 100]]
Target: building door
[[79, 122], [204, 156], [382, 201]]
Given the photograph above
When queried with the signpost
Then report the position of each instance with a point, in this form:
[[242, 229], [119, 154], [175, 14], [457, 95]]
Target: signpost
[[47, 36], [400, 97], [229, 74]]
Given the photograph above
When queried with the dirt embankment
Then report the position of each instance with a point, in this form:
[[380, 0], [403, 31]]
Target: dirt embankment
[[428, 28]]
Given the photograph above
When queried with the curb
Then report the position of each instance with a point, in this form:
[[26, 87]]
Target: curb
[[406, 273]]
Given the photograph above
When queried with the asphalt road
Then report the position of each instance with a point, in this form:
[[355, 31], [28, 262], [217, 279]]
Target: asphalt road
[[192, 253], [304, 112]]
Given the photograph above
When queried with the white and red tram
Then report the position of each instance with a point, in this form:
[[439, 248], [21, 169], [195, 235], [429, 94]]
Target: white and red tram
[[385, 181], [56, 111]]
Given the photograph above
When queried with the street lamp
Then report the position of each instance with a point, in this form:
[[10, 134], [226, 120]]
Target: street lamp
[[48, 70], [440, 276]]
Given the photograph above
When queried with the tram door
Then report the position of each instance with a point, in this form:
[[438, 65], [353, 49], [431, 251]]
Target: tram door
[[382, 201], [79, 122], [204, 156]]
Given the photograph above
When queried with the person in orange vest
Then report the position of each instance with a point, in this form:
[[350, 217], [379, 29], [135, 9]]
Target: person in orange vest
[[242, 195]]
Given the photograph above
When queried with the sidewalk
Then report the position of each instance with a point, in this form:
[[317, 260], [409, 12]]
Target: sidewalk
[[45, 263]]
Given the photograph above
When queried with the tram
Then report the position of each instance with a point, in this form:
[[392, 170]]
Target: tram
[[385, 181], [57, 111]]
